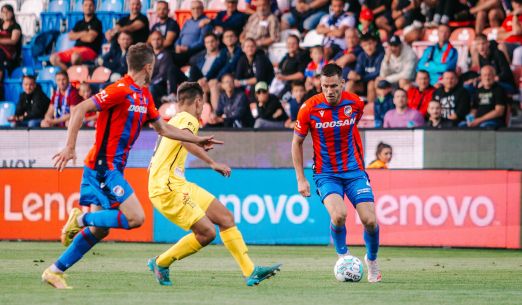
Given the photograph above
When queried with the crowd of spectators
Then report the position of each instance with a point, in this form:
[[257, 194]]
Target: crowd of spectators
[[374, 41]]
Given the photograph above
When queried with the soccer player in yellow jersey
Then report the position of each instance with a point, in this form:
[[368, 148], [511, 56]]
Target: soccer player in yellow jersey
[[190, 206]]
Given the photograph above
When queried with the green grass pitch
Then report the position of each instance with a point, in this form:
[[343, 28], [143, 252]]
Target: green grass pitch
[[116, 273]]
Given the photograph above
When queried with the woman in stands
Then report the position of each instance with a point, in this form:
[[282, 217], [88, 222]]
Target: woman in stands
[[384, 156], [10, 41]]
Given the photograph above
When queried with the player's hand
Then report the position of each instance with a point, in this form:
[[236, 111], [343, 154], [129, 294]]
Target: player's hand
[[221, 168], [61, 158], [304, 188], [208, 142]]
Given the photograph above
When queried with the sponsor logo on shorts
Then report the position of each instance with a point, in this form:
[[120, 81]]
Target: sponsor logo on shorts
[[364, 190], [118, 190]]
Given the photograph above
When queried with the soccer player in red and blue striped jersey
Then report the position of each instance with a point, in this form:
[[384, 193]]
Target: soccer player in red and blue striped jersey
[[331, 117], [124, 107]]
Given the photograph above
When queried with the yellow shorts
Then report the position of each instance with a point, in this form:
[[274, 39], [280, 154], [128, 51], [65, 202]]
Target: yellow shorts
[[184, 206]]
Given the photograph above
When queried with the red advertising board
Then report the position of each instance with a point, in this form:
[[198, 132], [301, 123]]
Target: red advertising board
[[475, 208], [35, 203]]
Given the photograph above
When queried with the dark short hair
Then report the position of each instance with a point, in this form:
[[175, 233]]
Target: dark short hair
[[228, 29], [226, 75], [62, 72], [9, 7], [188, 91], [93, 2], [482, 37], [400, 89], [424, 71], [297, 83], [331, 70], [162, 2], [138, 56], [156, 32], [29, 76], [211, 34], [294, 36]]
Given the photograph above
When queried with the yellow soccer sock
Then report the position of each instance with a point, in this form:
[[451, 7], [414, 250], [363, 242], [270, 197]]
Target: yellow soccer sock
[[235, 244], [184, 247]]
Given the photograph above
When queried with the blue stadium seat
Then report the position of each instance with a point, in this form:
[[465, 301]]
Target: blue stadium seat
[[72, 19], [40, 45], [109, 12], [145, 5], [62, 43], [46, 79], [7, 109], [13, 83], [53, 17]]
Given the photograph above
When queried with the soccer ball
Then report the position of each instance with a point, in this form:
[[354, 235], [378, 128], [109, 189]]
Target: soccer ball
[[348, 269]]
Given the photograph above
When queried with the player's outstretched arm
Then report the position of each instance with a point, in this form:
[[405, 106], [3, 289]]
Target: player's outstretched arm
[[201, 154], [171, 132], [297, 156], [77, 115]]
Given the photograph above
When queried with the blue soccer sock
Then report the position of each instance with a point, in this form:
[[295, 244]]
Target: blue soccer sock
[[339, 238], [106, 219], [81, 244], [372, 243]]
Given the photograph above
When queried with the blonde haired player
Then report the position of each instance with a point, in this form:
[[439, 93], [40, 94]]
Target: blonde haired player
[[190, 206]]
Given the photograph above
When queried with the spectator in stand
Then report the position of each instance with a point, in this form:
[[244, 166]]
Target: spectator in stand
[[398, 65], [315, 66], [383, 103], [383, 156], [367, 68], [381, 10], [405, 12], [85, 92], [253, 67], [65, 97], [448, 10], [305, 15], [168, 27], [32, 104], [420, 95], [116, 58], [230, 18], [366, 25], [136, 24], [487, 11], [333, 26], [233, 106], [440, 57], [486, 53], [270, 112], [314, 87], [291, 68], [402, 116], [511, 30], [453, 98], [263, 26], [88, 36], [191, 36], [10, 39], [435, 119], [293, 104], [489, 103], [347, 58], [205, 66], [165, 76]]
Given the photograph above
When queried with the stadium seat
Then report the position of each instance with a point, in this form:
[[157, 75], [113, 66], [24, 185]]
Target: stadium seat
[[28, 16], [491, 33], [219, 5], [151, 15], [284, 5], [463, 35], [312, 39], [276, 52], [284, 34], [100, 75], [145, 5], [185, 5], [56, 11], [7, 109], [109, 12], [40, 45], [46, 79], [168, 110], [242, 5], [79, 73], [13, 83], [431, 35]]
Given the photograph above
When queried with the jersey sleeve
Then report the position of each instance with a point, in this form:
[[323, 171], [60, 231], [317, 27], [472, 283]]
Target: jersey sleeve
[[109, 97], [152, 112], [302, 125], [360, 107], [188, 122]]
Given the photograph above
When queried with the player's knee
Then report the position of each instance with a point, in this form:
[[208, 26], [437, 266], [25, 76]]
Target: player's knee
[[135, 221], [339, 218], [370, 223], [206, 236]]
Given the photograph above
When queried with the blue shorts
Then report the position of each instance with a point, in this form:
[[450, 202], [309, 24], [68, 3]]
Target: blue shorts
[[107, 188], [355, 185]]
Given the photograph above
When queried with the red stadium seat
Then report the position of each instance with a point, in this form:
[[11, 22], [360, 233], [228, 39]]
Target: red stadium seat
[[78, 73], [431, 35], [219, 5], [168, 110], [491, 33], [463, 35], [100, 75]]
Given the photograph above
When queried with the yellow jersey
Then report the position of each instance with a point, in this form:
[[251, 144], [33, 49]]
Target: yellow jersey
[[167, 167]]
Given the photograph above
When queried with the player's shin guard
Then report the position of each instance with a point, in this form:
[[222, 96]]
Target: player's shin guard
[[184, 247], [81, 244], [339, 238], [106, 219], [371, 239], [235, 244]]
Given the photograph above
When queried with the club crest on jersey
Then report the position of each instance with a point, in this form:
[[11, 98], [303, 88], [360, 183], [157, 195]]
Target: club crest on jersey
[[118, 190], [321, 112], [347, 110]]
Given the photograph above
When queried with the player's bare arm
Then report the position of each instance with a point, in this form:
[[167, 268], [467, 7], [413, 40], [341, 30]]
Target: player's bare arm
[[68, 152], [201, 154], [171, 132], [303, 186]]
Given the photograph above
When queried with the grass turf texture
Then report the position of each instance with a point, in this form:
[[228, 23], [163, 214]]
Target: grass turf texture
[[116, 273]]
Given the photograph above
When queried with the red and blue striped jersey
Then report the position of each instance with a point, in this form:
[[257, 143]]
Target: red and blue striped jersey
[[335, 137], [124, 108]]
